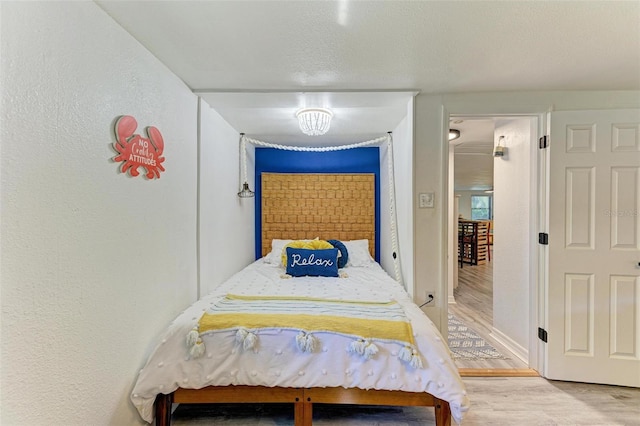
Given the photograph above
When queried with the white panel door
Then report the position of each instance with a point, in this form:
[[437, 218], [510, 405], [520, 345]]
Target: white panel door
[[593, 301]]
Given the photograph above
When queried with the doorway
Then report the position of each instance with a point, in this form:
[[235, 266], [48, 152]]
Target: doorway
[[490, 294]]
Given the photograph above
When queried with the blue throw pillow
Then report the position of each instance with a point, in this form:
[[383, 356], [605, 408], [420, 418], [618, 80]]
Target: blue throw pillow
[[314, 263], [344, 253]]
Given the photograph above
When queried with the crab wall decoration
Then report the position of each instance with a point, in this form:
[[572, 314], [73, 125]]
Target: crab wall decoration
[[135, 151]]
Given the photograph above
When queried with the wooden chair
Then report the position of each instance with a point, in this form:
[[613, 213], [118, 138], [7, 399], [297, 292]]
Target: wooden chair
[[489, 239], [468, 242]]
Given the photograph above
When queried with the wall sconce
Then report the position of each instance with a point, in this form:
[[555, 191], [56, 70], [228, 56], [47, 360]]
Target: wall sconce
[[245, 192], [500, 150]]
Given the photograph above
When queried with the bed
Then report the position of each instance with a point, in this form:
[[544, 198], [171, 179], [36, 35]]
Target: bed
[[274, 334]]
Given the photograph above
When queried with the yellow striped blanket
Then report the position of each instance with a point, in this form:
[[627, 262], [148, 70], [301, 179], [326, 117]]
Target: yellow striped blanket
[[365, 322]]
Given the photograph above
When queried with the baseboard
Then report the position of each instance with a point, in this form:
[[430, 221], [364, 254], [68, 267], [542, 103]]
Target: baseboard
[[452, 300], [497, 372], [511, 345]]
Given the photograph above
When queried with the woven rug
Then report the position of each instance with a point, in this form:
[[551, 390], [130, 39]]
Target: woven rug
[[465, 343]]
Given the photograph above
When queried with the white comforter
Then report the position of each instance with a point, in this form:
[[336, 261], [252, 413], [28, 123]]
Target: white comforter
[[278, 362]]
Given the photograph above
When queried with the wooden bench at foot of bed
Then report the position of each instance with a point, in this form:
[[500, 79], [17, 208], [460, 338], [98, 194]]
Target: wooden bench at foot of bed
[[302, 399]]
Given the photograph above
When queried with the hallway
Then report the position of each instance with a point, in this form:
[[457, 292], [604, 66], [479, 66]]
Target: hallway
[[474, 307]]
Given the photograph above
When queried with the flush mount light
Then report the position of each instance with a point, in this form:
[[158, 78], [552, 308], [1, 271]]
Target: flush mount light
[[454, 134], [314, 121]]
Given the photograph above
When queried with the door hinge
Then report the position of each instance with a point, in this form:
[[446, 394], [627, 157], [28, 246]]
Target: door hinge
[[542, 334], [543, 238], [544, 142]]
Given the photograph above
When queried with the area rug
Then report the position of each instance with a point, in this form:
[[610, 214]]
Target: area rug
[[465, 343]]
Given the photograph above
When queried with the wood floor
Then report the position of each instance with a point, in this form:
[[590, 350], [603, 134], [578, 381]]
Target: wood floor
[[474, 307]]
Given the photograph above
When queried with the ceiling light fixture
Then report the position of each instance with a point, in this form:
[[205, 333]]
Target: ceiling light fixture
[[314, 121], [454, 134]]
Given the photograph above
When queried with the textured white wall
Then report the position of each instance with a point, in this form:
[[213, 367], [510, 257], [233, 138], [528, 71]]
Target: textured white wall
[[227, 227], [403, 177], [403, 170], [430, 227], [94, 263], [512, 210]]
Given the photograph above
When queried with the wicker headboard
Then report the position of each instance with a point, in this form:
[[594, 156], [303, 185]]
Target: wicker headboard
[[328, 206]]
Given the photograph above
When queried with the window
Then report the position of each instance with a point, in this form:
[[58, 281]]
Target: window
[[481, 207]]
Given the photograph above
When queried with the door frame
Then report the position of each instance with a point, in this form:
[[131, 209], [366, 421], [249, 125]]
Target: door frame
[[538, 274]]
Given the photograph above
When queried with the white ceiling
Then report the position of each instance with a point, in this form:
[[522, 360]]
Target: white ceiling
[[432, 46], [257, 62], [473, 159], [358, 116]]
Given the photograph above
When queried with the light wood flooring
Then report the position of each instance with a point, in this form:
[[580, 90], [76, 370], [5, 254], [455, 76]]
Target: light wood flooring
[[474, 307]]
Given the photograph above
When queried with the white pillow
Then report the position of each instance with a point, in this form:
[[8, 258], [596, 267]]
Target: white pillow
[[358, 253], [274, 256]]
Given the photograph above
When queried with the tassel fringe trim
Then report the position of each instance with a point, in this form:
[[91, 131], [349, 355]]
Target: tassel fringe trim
[[247, 339], [306, 342], [194, 344], [411, 356]]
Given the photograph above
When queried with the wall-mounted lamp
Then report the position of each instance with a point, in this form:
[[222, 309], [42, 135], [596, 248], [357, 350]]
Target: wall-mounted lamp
[[245, 192], [454, 134], [500, 150]]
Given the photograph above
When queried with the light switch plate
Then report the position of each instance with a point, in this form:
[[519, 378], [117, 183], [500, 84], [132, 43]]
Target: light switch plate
[[426, 200]]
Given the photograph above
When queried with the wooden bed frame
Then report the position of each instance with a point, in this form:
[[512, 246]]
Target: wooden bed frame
[[302, 400], [306, 206]]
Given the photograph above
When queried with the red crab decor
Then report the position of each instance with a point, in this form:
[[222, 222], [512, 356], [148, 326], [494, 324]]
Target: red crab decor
[[135, 151]]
